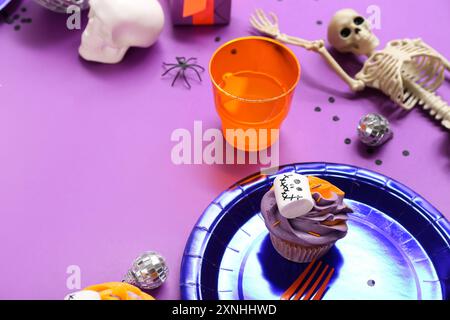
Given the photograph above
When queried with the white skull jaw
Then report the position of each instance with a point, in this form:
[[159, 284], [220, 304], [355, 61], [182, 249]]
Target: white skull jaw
[[116, 25], [348, 31]]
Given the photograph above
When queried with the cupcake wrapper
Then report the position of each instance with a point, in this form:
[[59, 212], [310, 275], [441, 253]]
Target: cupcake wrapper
[[298, 253]]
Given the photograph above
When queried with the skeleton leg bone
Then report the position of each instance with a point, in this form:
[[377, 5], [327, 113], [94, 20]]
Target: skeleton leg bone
[[437, 107]]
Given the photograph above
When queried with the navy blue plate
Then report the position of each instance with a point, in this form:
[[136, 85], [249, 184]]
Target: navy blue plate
[[3, 3], [397, 247]]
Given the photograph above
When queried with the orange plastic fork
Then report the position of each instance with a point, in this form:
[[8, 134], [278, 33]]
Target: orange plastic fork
[[312, 292], [324, 286], [287, 295]]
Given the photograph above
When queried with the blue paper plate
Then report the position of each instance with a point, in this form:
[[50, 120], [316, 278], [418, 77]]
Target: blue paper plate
[[3, 3], [397, 247]]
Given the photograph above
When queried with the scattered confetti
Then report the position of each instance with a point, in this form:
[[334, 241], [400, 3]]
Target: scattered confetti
[[14, 18], [406, 153], [317, 109], [348, 141], [336, 118]]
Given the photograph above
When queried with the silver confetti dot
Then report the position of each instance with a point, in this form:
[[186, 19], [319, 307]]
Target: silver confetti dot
[[149, 271], [374, 130]]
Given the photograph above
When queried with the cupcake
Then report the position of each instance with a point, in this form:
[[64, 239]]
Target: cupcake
[[305, 216]]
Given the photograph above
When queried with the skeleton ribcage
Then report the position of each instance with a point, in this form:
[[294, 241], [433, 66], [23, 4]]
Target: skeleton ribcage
[[400, 64]]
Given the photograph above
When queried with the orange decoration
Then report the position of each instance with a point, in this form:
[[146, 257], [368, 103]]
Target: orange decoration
[[206, 16], [331, 223], [326, 191], [323, 187], [191, 7], [287, 295], [254, 79], [119, 291], [202, 11]]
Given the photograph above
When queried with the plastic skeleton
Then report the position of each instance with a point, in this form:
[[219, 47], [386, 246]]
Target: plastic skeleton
[[408, 71]]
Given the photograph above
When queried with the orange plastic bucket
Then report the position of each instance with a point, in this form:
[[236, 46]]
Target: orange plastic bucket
[[254, 79]]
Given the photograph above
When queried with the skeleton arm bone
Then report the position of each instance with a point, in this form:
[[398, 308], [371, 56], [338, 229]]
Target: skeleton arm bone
[[270, 27], [319, 47], [306, 44], [354, 84]]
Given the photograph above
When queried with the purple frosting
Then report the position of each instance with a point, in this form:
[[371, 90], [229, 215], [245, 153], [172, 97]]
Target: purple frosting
[[299, 230]]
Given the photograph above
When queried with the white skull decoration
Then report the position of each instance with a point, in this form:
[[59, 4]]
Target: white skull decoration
[[348, 31], [116, 25]]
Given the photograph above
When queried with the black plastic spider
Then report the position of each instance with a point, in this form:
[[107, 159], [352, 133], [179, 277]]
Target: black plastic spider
[[183, 64]]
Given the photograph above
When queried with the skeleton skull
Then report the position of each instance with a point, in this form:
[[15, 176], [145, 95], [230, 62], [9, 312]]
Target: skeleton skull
[[348, 31], [116, 25]]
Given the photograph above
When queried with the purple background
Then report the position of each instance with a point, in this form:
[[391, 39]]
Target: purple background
[[86, 176]]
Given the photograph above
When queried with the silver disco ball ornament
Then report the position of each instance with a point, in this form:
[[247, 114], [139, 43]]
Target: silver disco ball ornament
[[374, 130], [149, 271], [62, 5]]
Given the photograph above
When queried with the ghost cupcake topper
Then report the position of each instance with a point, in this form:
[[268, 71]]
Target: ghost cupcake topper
[[293, 195], [408, 70]]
